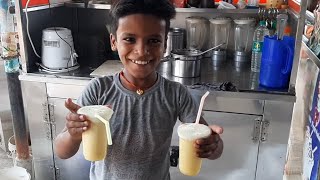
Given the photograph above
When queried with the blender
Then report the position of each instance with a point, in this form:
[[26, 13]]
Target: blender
[[244, 29], [197, 29], [219, 33]]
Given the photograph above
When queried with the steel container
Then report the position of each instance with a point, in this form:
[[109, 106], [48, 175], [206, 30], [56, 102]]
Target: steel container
[[176, 40], [164, 67], [186, 63]]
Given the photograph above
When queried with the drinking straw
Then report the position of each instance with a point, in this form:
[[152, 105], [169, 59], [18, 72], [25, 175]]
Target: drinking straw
[[201, 106], [107, 125]]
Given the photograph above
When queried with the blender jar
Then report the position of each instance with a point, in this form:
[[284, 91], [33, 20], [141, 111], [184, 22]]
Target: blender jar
[[197, 29], [244, 29], [219, 33]]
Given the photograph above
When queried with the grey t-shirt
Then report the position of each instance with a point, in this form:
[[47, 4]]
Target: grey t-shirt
[[141, 127]]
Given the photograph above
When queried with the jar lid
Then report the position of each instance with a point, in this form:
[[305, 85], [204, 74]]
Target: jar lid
[[244, 21], [196, 18], [220, 20], [176, 30]]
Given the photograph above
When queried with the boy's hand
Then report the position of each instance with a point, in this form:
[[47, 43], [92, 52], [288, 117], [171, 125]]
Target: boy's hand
[[76, 124], [212, 146]]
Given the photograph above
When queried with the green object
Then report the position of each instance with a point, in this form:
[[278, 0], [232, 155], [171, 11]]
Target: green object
[[257, 46], [262, 23], [12, 65]]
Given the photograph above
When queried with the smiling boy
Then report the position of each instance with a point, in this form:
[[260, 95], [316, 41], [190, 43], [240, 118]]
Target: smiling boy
[[146, 105]]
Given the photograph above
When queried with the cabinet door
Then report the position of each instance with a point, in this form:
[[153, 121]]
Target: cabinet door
[[75, 167], [36, 109], [273, 149], [239, 157]]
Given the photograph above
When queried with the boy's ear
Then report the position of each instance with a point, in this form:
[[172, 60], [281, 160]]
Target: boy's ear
[[113, 42]]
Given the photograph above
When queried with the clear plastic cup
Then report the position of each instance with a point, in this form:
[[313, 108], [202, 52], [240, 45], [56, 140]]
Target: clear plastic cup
[[189, 163], [94, 139]]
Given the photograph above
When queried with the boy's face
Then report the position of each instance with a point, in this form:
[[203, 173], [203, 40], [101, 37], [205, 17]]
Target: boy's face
[[140, 42]]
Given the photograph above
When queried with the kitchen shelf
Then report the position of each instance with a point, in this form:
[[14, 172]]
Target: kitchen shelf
[[212, 10], [311, 54], [90, 5], [179, 10], [38, 8], [310, 16]]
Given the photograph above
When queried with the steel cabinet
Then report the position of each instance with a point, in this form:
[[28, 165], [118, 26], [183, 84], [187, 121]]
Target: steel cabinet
[[40, 129], [241, 143], [76, 167]]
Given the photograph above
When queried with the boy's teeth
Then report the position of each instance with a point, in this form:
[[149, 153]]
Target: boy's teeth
[[140, 62]]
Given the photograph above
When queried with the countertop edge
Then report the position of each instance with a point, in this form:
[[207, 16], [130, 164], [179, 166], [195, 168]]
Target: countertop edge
[[227, 94]]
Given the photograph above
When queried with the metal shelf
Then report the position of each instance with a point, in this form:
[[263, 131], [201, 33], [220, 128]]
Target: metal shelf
[[311, 54], [90, 5], [212, 10], [38, 8], [310, 16], [179, 10]]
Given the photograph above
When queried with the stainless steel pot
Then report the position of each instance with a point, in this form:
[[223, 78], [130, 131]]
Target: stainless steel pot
[[164, 67], [186, 63]]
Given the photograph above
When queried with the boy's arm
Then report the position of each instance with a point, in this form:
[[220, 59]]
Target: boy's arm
[[65, 145], [68, 141]]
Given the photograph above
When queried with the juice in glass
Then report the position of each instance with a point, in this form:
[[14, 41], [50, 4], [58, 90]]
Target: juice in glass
[[94, 139], [189, 163]]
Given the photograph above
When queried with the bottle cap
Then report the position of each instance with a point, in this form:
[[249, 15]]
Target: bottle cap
[[262, 23]]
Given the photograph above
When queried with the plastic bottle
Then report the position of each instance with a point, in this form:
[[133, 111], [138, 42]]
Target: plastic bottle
[[258, 36]]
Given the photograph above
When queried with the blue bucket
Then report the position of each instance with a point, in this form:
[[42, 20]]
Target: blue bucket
[[276, 61]]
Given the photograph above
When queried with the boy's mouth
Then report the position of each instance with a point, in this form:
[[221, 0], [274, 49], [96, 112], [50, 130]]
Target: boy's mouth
[[140, 62]]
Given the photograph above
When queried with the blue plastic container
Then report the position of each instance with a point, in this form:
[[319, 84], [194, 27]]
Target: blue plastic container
[[276, 61]]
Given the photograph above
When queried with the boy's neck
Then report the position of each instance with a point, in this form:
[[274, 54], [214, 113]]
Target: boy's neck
[[133, 84]]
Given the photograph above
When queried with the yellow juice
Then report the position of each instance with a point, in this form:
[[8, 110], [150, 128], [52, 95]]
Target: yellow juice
[[189, 163], [95, 142], [94, 139]]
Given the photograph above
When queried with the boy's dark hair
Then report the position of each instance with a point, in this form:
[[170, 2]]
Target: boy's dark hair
[[163, 9]]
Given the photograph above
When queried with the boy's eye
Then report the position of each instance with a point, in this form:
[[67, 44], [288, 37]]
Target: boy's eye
[[154, 41], [129, 39]]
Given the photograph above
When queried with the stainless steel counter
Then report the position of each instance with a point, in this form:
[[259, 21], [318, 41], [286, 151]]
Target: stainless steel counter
[[240, 75]]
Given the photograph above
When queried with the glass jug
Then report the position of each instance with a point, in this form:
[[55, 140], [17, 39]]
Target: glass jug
[[219, 33], [197, 29], [244, 29]]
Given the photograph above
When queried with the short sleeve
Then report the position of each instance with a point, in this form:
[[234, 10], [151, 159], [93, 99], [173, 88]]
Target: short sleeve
[[89, 95], [187, 106]]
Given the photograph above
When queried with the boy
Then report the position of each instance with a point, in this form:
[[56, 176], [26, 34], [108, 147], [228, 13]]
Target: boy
[[145, 104]]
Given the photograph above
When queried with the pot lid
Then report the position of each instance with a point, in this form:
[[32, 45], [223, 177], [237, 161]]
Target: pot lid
[[176, 30], [220, 21], [186, 52]]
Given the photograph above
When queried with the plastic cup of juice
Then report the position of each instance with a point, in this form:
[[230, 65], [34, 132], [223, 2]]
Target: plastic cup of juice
[[98, 136], [189, 163]]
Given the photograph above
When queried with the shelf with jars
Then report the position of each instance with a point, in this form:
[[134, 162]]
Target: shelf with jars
[[179, 10]]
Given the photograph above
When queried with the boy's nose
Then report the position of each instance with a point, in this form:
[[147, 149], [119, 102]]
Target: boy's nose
[[142, 49]]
